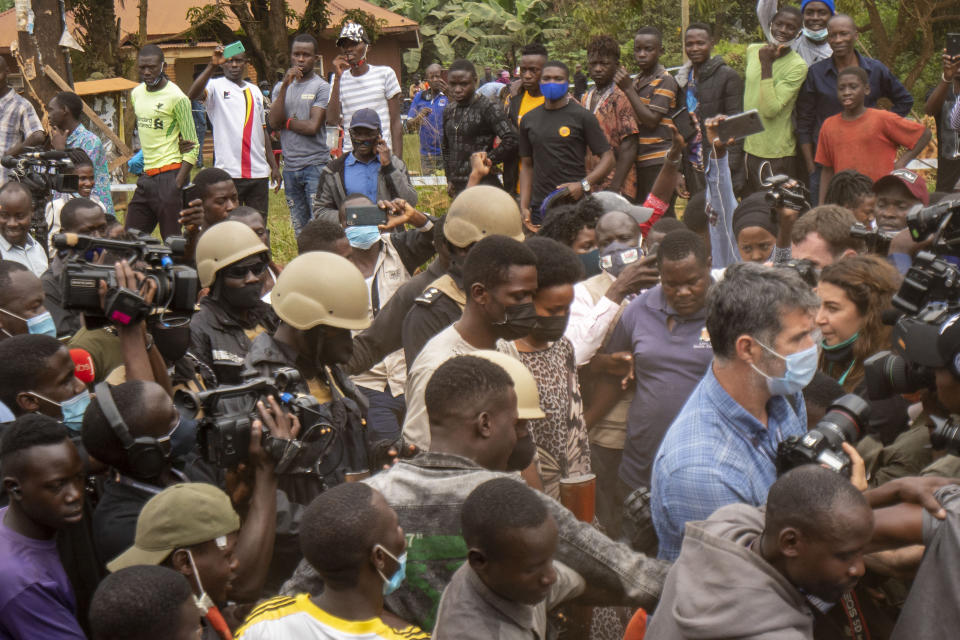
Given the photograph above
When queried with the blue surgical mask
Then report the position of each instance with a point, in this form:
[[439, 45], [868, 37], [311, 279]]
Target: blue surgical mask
[[41, 324], [362, 237], [817, 36], [73, 410], [393, 583], [554, 90], [801, 367]]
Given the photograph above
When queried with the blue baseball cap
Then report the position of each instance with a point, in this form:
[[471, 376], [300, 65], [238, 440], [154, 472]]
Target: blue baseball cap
[[829, 3], [365, 119]]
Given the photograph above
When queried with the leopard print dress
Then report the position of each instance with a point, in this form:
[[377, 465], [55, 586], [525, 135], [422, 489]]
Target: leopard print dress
[[561, 437]]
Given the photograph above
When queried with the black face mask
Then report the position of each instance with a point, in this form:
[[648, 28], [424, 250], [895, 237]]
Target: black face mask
[[336, 347], [456, 267], [522, 454], [550, 328], [590, 262], [245, 297], [519, 320]]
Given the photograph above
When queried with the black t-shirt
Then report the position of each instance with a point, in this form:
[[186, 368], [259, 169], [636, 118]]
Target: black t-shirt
[[557, 140]]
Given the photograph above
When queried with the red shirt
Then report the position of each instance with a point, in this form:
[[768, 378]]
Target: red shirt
[[868, 144]]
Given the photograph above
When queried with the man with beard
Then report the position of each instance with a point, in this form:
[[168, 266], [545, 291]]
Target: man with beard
[[232, 261], [477, 414]]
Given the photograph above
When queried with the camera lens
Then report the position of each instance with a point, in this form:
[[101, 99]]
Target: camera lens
[[946, 436], [888, 374], [845, 420]]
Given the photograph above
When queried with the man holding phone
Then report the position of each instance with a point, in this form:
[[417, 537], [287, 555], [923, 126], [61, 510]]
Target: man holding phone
[[240, 142], [369, 169], [941, 104]]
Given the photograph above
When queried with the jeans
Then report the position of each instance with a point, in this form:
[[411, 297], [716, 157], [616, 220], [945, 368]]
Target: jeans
[[300, 187], [385, 415]]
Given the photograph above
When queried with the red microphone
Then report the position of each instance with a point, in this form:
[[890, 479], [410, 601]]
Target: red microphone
[[82, 365]]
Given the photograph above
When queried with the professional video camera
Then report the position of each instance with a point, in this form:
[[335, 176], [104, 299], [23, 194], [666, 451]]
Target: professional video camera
[[946, 434], [42, 172], [223, 433], [177, 285], [942, 219], [806, 269], [778, 195], [877, 241], [844, 422]]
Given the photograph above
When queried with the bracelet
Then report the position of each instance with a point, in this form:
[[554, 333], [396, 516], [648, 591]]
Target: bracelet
[[287, 125], [943, 77]]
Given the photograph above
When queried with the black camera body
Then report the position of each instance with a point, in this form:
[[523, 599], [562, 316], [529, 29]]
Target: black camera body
[[844, 421], [224, 430], [877, 241], [946, 434], [177, 285], [929, 279], [806, 269], [42, 172], [942, 219], [777, 195]]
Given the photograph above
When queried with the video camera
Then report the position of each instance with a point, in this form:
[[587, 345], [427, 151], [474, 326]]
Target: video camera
[[42, 172], [942, 219], [844, 421], [223, 432], [946, 435], [177, 285], [877, 241], [778, 195], [804, 268]]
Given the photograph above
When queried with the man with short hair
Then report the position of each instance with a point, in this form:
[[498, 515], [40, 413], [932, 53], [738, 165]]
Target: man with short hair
[[144, 603], [822, 235], [359, 85], [370, 168], [237, 111], [523, 98], [472, 124], [665, 331], [818, 99], [67, 132], [722, 445], [217, 197], [500, 278], [164, 117], [579, 82], [749, 572], [37, 375], [554, 139], [80, 216], [16, 216], [324, 235], [426, 114], [360, 560], [811, 43], [897, 193], [299, 113], [19, 125], [22, 307], [43, 478]]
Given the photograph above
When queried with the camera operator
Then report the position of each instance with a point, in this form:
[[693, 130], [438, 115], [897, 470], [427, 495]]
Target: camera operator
[[21, 303], [232, 261], [16, 243], [216, 196], [822, 236], [20, 127], [897, 193], [722, 446], [854, 293], [258, 222], [82, 216]]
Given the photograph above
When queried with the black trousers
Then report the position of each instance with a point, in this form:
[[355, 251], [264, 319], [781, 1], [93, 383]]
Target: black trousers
[[156, 200], [254, 192]]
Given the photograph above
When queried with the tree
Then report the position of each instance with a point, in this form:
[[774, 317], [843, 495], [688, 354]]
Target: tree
[[100, 38], [447, 31]]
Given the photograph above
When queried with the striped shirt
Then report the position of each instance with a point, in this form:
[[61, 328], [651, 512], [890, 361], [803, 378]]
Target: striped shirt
[[239, 121], [659, 92], [283, 617], [372, 90], [17, 121]]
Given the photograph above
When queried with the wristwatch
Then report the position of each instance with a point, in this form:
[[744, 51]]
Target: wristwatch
[[585, 185]]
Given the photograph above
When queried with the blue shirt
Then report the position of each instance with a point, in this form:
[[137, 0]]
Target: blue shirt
[[818, 97], [716, 454], [431, 131], [361, 177]]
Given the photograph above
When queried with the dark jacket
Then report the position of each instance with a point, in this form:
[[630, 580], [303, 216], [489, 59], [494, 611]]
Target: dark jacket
[[219, 340], [511, 165], [67, 322], [719, 91], [394, 182]]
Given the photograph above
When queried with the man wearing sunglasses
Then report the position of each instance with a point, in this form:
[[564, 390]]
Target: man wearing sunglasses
[[232, 262]]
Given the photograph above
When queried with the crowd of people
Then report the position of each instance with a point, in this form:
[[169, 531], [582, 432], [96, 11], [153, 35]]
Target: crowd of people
[[636, 381]]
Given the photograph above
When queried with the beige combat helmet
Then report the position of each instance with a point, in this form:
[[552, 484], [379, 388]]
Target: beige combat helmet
[[321, 288], [223, 244], [525, 385], [479, 212]]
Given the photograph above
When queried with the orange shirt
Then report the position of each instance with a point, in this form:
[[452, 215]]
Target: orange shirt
[[868, 144]]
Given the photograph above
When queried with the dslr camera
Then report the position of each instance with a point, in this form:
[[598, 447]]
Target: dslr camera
[[177, 285], [778, 195], [877, 241], [844, 421], [42, 172], [805, 268], [228, 413]]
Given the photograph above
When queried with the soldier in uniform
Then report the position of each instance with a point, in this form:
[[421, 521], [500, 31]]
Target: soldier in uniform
[[232, 261], [476, 213]]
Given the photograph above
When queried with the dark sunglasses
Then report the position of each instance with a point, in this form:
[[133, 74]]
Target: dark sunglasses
[[241, 270]]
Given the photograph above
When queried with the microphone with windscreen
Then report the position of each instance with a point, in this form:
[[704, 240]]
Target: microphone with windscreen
[[83, 367]]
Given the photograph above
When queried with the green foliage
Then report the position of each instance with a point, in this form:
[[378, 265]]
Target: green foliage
[[315, 18], [6, 4], [734, 54]]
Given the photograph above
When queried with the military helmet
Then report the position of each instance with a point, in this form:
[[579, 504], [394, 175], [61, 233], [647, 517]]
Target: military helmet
[[479, 212], [524, 384], [321, 288], [223, 244]]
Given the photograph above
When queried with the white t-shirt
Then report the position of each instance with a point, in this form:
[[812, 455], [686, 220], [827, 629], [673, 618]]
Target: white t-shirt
[[369, 91], [441, 347], [238, 118], [52, 214]]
